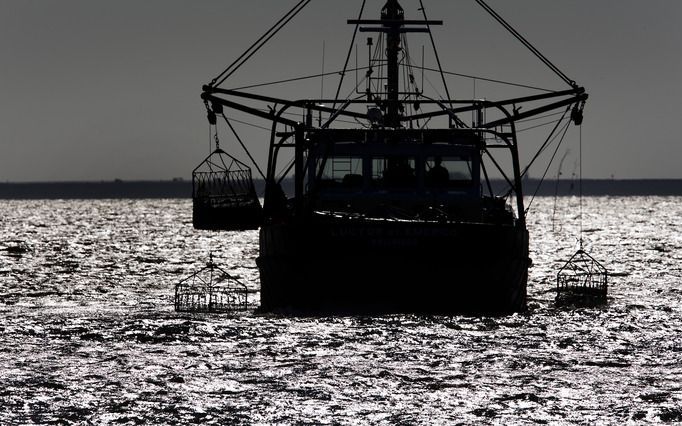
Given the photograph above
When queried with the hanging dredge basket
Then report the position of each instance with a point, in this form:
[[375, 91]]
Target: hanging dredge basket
[[582, 280], [211, 289], [223, 195]]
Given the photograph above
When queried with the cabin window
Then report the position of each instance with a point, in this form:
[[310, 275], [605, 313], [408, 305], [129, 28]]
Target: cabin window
[[448, 172], [393, 172], [341, 172]]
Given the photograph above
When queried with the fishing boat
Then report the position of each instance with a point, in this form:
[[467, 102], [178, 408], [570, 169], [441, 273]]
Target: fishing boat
[[393, 208]]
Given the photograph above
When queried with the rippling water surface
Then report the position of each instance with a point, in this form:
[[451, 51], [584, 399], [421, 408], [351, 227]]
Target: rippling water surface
[[89, 335]]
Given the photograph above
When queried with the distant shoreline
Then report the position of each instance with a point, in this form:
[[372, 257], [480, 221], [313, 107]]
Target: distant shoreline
[[183, 188]]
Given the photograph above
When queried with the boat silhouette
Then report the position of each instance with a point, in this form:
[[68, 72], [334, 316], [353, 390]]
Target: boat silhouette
[[394, 212]]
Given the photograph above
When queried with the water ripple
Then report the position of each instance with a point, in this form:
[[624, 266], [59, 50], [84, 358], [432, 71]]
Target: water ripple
[[89, 334]]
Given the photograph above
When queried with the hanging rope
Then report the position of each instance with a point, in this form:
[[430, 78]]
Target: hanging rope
[[580, 185], [408, 67], [210, 138]]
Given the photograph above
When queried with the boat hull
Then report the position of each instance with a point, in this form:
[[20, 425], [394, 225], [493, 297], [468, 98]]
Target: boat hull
[[361, 266]]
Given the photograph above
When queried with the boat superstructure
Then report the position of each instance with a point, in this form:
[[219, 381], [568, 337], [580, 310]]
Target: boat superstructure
[[396, 211]]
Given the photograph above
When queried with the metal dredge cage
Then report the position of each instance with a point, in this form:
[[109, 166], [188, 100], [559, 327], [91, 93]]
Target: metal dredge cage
[[211, 289], [221, 175], [582, 277], [223, 194]]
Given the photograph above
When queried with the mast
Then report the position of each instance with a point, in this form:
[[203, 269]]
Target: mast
[[393, 25], [393, 16]]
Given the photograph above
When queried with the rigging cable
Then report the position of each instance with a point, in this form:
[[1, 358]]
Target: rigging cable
[[289, 80], [540, 117], [243, 146], [285, 170], [548, 165], [405, 62], [580, 184], [333, 116], [457, 120], [258, 44], [435, 51], [490, 80], [422, 68], [322, 79], [246, 123], [378, 52], [556, 186], [210, 138], [434, 89], [526, 43], [539, 125], [410, 80], [350, 50], [550, 139]]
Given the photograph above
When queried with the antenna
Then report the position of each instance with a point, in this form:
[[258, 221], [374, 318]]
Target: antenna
[[322, 74], [422, 86], [319, 113]]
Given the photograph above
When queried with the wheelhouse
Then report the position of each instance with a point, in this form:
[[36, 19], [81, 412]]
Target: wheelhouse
[[370, 171]]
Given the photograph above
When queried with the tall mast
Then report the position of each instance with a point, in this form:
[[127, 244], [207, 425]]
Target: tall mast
[[392, 16], [393, 25]]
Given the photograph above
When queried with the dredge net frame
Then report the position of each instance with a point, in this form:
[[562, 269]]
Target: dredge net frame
[[224, 196], [583, 276], [216, 178], [211, 289]]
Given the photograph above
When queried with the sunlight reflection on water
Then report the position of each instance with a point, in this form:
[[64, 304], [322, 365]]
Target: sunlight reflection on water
[[89, 334]]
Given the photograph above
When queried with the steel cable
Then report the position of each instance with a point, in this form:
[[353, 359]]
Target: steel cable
[[255, 47], [548, 165], [350, 50], [526, 43]]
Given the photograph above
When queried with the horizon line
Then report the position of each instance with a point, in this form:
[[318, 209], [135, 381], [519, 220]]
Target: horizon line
[[189, 180]]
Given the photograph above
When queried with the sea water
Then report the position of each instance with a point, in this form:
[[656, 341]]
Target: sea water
[[89, 336]]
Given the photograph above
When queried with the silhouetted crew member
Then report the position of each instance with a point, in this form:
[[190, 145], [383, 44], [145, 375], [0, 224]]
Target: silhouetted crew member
[[438, 175]]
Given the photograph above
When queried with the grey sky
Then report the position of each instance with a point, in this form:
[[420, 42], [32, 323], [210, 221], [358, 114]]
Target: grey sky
[[96, 90]]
